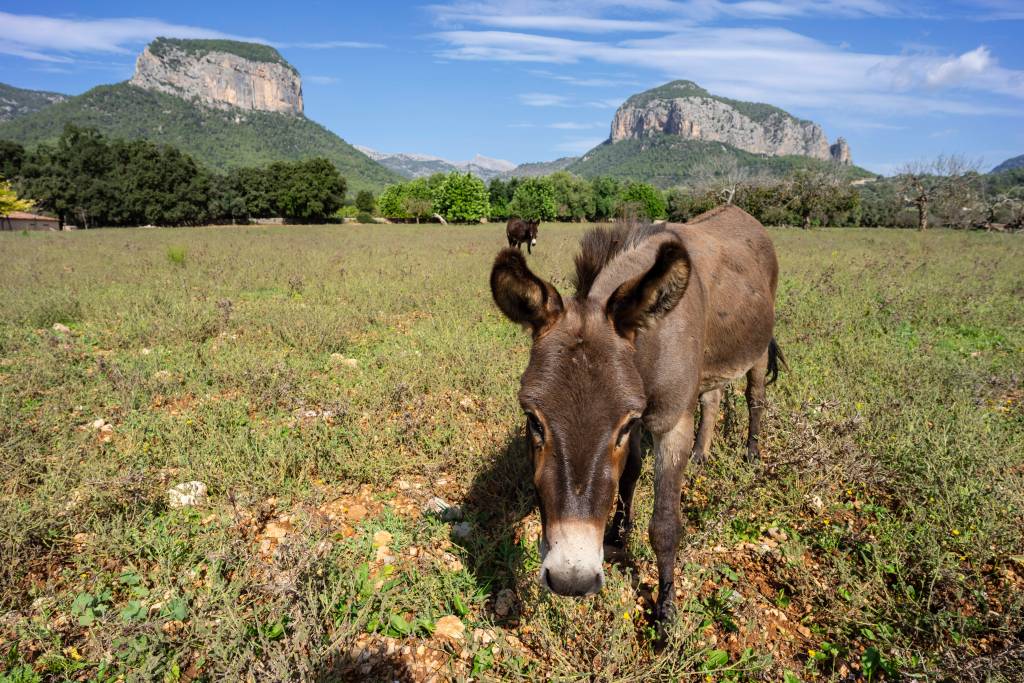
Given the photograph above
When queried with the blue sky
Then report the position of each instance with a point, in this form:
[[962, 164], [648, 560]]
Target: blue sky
[[532, 80]]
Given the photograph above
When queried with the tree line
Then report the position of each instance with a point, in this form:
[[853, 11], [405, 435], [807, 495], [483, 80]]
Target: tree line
[[89, 180]]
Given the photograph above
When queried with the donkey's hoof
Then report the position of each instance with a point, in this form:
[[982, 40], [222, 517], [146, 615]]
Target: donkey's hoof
[[699, 459], [753, 454]]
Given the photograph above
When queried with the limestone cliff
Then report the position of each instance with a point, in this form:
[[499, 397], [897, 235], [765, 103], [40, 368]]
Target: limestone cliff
[[684, 109], [221, 74]]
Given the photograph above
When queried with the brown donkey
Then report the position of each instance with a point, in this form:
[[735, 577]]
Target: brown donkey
[[663, 317]]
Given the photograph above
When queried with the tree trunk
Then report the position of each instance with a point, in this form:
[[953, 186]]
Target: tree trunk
[[807, 222], [922, 215]]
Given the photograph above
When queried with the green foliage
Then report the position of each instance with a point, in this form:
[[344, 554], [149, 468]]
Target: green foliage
[[462, 198], [364, 217], [306, 190], [365, 201], [533, 200], [573, 196], [642, 200], [12, 156], [605, 191], [669, 160], [501, 193], [218, 139], [256, 52]]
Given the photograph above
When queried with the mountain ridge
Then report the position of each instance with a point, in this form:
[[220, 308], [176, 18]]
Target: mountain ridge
[[15, 102]]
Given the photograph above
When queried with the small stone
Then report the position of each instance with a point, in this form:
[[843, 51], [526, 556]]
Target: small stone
[[356, 512], [435, 506], [467, 404], [338, 359], [505, 602], [162, 375], [98, 423], [403, 485], [62, 329], [146, 352], [278, 529], [187, 494], [462, 531], [381, 539]]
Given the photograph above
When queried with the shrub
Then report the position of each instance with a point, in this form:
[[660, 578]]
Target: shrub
[[363, 217], [176, 255], [534, 200]]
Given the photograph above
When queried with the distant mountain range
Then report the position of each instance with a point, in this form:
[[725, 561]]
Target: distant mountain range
[[419, 165], [15, 102], [226, 103], [1010, 164]]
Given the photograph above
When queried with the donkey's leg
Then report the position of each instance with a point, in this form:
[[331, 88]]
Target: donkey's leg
[[671, 451], [710, 401], [622, 521], [755, 405]]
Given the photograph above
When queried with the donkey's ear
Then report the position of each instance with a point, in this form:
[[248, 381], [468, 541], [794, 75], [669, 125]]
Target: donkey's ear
[[521, 295], [639, 303]]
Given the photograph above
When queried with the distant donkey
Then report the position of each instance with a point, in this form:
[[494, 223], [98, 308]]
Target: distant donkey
[[521, 231], [662, 320]]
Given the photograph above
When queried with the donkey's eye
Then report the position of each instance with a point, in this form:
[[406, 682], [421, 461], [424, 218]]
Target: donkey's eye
[[625, 431], [535, 427]]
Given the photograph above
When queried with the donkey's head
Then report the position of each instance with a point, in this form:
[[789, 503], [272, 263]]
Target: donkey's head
[[583, 396]]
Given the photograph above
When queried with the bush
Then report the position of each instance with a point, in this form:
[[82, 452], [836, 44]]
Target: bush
[[363, 217], [176, 255], [462, 198], [534, 200], [643, 199], [365, 202]]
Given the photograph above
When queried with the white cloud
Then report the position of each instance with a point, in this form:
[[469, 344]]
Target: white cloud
[[770, 64], [540, 99], [575, 125], [49, 38], [578, 145], [321, 80], [956, 70], [55, 39]]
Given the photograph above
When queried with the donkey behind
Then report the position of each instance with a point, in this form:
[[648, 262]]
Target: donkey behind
[[663, 317], [521, 231]]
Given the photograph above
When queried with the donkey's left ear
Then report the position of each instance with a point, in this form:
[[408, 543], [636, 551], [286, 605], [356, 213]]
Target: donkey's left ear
[[639, 303]]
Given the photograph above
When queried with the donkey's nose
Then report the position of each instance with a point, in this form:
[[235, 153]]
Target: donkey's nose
[[573, 583]]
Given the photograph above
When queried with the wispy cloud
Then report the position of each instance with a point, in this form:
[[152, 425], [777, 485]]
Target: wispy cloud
[[578, 145], [540, 99], [321, 80], [576, 125], [60, 40], [771, 64], [52, 39]]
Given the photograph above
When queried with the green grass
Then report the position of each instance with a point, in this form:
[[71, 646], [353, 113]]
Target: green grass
[[323, 382]]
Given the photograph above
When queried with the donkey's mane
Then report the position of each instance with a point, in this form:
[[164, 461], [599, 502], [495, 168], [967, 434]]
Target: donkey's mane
[[600, 245]]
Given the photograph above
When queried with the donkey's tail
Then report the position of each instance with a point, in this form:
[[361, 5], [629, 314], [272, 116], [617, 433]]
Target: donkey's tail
[[775, 358]]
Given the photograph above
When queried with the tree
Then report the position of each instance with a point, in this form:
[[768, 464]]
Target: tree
[[501, 193], [642, 200], [417, 199], [923, 183], [573, 196], [820, 193], [12, 156], [365, 201], [720, 175], [462, 198], [534, 200], [605, 192], [10, 202], [306, 190]]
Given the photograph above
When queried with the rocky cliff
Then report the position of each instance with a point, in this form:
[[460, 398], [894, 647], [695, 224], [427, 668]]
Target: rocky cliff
[[221, 74], [684, 109]]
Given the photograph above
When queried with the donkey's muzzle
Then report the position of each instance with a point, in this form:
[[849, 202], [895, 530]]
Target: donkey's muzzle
[[573, 583], [572, 563]]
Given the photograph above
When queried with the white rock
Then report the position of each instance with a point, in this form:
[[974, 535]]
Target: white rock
[[63, 329], [187, 494]]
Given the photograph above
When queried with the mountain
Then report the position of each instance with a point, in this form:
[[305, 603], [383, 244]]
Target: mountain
[[411, 165], [1010, 164], [666, 135], [226, 103], [15, 102], [539, 168]]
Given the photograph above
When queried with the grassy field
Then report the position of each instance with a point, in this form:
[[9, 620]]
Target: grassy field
[[325, 382]]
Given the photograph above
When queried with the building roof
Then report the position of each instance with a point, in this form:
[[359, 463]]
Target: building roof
[[25, 216]]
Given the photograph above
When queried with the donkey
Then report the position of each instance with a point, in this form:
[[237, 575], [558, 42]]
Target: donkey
[[663, 317], [521, 231]]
